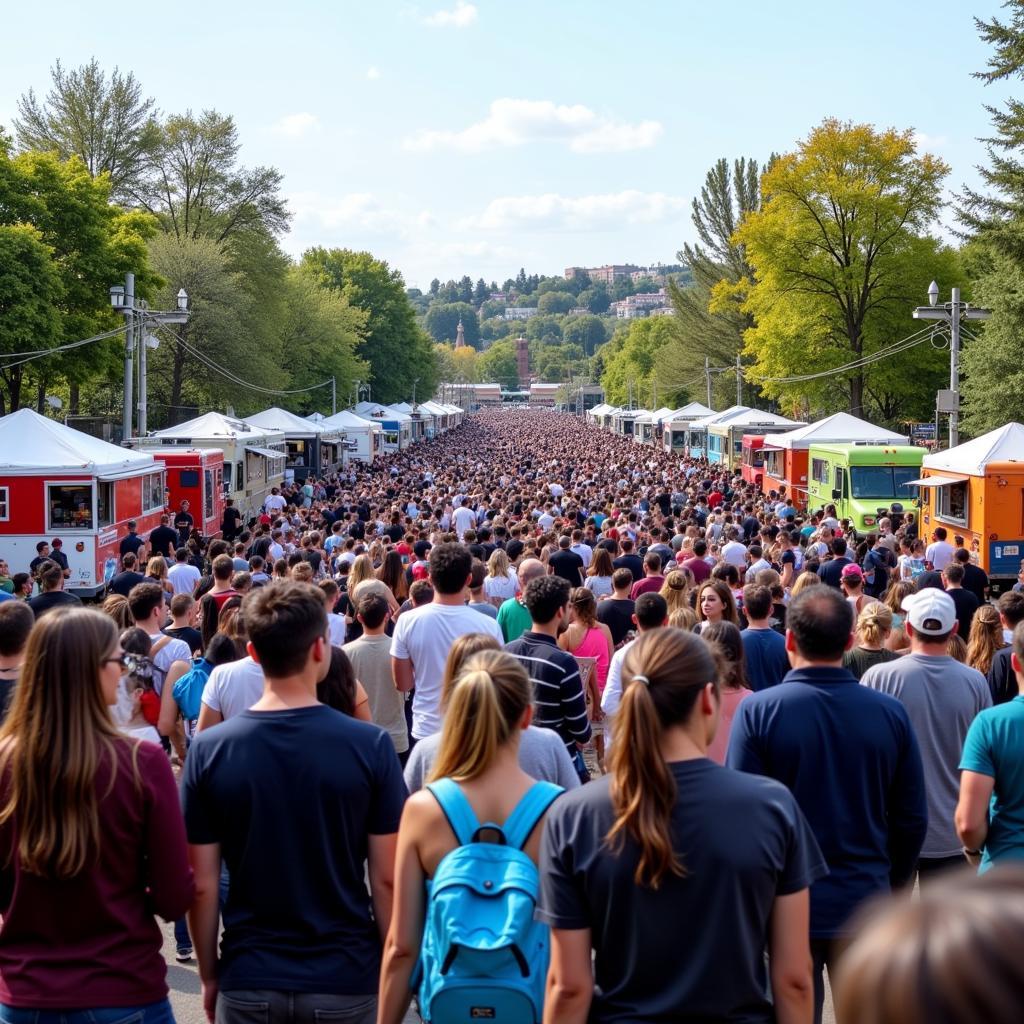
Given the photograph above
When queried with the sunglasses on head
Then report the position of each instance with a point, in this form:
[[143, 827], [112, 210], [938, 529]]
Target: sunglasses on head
[[131, 663]]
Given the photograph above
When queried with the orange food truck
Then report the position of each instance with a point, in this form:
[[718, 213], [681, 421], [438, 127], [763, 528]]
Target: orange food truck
[[56, 482], [784, 456], [976, 491]]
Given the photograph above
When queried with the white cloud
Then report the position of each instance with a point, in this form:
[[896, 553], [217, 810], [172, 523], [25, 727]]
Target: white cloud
[[553, 212], [512, 122], [462, 15], [373, 73], [926, 143], [359, 211], [294, 126]]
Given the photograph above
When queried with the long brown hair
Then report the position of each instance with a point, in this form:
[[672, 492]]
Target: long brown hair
[[985, 639], [664, 672], [56, 734], [721, 588], [485, 706], [601, 564], [584, 604], [392, 574]]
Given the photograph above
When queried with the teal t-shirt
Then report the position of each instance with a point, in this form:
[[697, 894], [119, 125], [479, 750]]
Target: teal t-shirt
[[995, 747]]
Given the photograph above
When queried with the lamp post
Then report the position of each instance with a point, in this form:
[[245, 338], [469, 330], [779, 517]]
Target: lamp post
[[952, 313]]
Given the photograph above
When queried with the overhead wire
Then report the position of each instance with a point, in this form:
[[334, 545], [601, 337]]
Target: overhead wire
[[42, 353]]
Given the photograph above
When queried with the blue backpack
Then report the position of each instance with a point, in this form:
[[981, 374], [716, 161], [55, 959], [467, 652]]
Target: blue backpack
[[484, 957], [188, 692]]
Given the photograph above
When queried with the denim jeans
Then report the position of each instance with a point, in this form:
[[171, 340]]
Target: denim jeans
[[152, 1013], [261, 1006], [182, 939]]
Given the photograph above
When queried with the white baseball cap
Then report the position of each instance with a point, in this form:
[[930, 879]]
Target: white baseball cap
[[931, 611]]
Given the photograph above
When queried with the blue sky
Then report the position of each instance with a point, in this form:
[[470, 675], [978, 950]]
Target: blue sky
[[450, 137]]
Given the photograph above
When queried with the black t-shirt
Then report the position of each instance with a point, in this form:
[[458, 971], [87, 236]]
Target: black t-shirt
[[163, 541], [634, 563], [975, 580], [183, 523], [123, 582], [831, 572], [131, 543], [568, 565], [743, 842], [298, 915], [966, 605], [52, 599], [191, 636], [617, 616], [230, 520]]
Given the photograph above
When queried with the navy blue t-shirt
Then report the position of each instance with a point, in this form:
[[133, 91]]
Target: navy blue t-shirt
[[764, 652], [292, 796], [852, 762], [693, 949]]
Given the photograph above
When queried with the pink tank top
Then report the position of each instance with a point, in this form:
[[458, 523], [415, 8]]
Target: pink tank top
[[594, 645]]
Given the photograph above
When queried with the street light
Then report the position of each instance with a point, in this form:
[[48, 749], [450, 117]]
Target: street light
[[182, 299], [933, 293], [117, 297]]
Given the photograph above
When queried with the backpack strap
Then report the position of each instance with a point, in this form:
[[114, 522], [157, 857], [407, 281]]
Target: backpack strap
[[522, 821], [457, 809]]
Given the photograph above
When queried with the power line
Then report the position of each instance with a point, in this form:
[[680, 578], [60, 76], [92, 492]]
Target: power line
[[41, 353]]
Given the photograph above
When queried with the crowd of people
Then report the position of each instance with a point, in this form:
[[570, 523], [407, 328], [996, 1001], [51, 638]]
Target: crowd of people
[[526, 722]]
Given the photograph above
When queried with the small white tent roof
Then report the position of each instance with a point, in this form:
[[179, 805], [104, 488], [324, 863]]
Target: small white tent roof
[[350, 422], [214, 426], [1005, 444], [287, 422], [654, 415], [600, 410], [839, 428], [382, 412], [433, 408], [690, 412], [31, 444], [744, 416]]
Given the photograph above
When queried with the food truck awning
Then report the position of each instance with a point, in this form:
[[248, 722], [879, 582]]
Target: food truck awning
[[267, 453], [934, 481]]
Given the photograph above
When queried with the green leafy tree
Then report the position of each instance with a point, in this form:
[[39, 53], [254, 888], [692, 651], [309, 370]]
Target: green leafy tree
[[586, 331], [629, 360], [495, 328], [434, 286], [442, 321], [595, 298], [480, 292], [498, 364], [107, 122], [841, 232], [397, 350], [547, 329], [556, 302], [555, 363]]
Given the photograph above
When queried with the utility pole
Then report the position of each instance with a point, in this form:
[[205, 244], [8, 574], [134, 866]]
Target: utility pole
[[739, 380], [142, 339], [129, 353], [630, 383], [707, 377], [952, 313], [334, 395]]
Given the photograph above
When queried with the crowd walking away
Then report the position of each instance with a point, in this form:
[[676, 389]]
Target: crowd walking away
[[527, 722]]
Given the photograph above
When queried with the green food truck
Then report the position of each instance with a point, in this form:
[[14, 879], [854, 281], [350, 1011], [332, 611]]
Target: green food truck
[[864, 481]]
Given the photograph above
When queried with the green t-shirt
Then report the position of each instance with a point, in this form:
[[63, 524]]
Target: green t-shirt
[[995, 747], [513, 619]]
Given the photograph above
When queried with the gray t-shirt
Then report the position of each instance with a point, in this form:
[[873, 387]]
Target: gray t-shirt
[[542, 755], [371, 662], [941, 696]]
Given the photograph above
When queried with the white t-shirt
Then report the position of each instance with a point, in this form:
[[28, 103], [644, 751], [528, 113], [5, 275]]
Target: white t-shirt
[[502, 586], [940, 554], [465, 519], [336, 624], [585, 552], [273, 503], [171, 651], [735, 554], [183, 577], [234, 688], [425, 636]]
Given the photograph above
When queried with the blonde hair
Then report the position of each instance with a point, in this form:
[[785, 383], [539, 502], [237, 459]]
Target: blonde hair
[[985, 639], [116, 606], [497, 564], [874, 623], [485, 706], [156, 567], [956, 648], [802, 582], [676, 589], [683, 617], [302, 572], [58, 732], [460, 650], [362, 570], [898, 590]]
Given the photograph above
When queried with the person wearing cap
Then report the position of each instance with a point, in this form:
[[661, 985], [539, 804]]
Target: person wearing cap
[[942, 698], [851, 582], [849, 756]]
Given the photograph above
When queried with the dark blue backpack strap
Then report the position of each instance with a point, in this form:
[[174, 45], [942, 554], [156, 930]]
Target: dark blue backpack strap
[[522, 821], [457, 809]]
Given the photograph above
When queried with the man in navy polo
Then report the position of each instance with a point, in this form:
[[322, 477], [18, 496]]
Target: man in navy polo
[[849, 756]]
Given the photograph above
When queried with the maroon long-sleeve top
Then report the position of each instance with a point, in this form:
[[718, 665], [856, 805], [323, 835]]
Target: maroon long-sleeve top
[[93, 940]]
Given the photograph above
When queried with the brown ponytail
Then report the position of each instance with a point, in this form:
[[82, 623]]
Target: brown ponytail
[[664, 674]]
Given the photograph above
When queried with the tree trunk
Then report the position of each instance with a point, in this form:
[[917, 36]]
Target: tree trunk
[[41, 398], [74, 397], [857, 395], [16, 389]]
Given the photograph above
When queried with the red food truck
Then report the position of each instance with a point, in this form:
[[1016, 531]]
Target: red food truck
[[56, 482], [195, 475]]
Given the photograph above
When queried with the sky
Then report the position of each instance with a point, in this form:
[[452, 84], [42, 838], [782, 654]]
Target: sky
[[451, 137]]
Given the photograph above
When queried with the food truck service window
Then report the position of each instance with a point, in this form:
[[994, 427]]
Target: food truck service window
[[152, 492], [207, 493], [69, 507], [105, 503], [5, 507], [952, 503]]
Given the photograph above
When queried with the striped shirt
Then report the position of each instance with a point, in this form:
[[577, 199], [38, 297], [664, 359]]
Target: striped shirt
[[558, 698]]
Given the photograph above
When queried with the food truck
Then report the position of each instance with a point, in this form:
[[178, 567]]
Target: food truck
[[56, 482], [253, 457], [195, 475], [647, 428], [865, 482], [725, 432], [676, 434], [313, 449], [976, 491], [784, 456], [364, 438], [396, 426]]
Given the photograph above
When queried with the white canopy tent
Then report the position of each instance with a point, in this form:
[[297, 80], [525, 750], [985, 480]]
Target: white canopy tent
[[1004, 444], [839, 428], [362, 434]]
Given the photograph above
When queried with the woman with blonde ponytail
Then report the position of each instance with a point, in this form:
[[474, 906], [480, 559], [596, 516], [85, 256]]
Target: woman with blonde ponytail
[[489, 705], [677, 872]]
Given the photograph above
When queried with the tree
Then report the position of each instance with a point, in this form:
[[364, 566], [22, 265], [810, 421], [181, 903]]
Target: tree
[[555, 363], [498, 364], [396, 349], [629, 360], [556, 302], [595, 298], [587, 331], [726, 197], [30, 289], [108, 124], [544, 328], [480, 292], [467, 364], [434, 286], [843, 223], [196, 186], [442, 321]]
